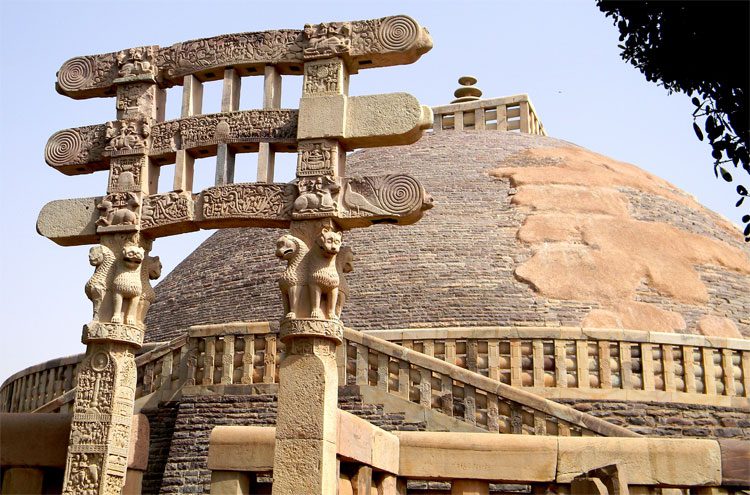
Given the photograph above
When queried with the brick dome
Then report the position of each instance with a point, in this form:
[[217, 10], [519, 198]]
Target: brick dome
[[526, 230]]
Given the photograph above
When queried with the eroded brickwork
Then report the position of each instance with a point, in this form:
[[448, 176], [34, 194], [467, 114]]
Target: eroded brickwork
[[442, 271], [672, 420], [180, 433]]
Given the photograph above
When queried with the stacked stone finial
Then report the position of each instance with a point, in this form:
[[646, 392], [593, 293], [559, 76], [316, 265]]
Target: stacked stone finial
[[467, 91], [318, 206]]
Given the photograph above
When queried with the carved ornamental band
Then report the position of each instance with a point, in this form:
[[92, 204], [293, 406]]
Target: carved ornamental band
[[365, 44]]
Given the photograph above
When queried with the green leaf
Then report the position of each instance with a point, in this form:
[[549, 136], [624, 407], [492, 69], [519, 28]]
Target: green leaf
[[738, 203], [747, 230], [745, 218], [698, 131], [742, 190], [696, 101], [725, 175]]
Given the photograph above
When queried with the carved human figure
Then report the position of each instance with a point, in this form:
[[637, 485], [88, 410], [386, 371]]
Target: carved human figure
[[103, 259], [344, 264], [127, 286], [327, 38], [323, 281], [150, 270], [292, 281]]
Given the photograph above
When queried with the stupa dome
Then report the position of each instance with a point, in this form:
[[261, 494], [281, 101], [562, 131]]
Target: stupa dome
[[527, 230]]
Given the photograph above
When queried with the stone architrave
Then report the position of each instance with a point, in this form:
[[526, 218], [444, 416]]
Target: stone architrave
[[317, 207]]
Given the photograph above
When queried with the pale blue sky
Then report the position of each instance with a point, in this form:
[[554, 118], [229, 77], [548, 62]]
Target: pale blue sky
[[562, 53]]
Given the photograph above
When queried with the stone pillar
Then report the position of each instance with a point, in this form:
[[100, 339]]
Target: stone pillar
[[119, 289], [305, 455]]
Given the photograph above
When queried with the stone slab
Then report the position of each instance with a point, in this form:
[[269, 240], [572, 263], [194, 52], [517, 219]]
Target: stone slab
[[241, 448], [479, 456], [644, 461]]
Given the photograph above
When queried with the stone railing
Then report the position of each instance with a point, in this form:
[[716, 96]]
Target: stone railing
[[553, 363], [510, 113], [460, 393], [32, 387], [595, 364]]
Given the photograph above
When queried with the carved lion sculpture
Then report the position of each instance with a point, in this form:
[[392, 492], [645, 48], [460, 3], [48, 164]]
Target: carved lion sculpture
[[103, 259], [127, 286], [344, 264], [150, 270], [291, 282], [323, 281]]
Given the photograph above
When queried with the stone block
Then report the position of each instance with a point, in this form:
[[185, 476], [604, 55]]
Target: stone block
[[139, 442], [34, 439], [229, 483], [643, 461], [241, 448], [478, 456]]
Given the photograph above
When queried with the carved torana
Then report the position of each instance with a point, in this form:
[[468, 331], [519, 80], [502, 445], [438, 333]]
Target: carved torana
[[318, 207]]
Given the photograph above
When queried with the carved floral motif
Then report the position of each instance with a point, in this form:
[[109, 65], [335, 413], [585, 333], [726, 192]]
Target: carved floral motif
[[301, 327], [395, 194], [120, 332], [81, 73], [80, 145]]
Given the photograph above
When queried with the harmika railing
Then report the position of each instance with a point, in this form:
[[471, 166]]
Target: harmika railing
[[510, 113]]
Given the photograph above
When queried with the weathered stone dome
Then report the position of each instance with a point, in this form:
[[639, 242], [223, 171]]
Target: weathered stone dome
[[526, 230]]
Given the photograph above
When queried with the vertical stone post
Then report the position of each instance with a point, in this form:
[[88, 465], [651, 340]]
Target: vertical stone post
[[305, 456], [119, 289]]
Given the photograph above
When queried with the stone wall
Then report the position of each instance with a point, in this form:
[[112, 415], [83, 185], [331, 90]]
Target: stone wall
[[674, 420], [180, 433]]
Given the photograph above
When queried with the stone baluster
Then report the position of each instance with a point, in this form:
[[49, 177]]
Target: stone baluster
[[248, 359], [446, 395], [582, 363], [515, 363], [605, 367], [230, 102], [493, 359], [209, 360], [383, 373], [728, 369], [271, 100], [647, 367], [667, 360], [746, 372], [227, 361], [362, 365], [538, 362], [470, 487], [709, 373], [561, 370], [192, 104]]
